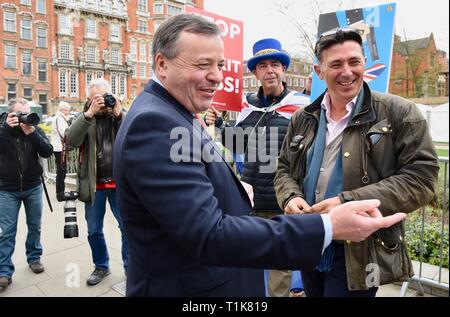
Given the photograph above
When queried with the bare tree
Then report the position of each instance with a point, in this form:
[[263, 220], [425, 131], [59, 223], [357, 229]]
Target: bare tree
[[308, 24]]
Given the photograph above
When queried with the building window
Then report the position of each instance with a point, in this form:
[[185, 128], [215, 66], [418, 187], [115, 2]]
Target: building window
[[114, 83], [63, 83], [142, 26], [115, 56], [133, 70], [26, 62], [253, 82], [142, 70], [133, 50], [295, 82], [73, 83], [12, 91], [91, 28], [25, 29], [9, 21], [158, 8], [89, 76], [42, 71], [91, 54], [150, 60], [172, 10], [64, 51], [10, 56], [289, 81], [25, 2], [28, 93], [41, 37], [99, 74], [65, 25], [156, 26], [302, 82], [245, 83], [122, 87], [142, 51], [115, 32], [134, 91], [142, 5], [40, 6], [43, 102]]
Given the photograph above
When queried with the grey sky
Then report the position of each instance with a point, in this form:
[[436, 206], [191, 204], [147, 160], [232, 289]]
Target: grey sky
[[261, 19]]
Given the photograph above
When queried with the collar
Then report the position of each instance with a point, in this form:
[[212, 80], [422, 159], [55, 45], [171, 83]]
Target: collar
[[269, 100], [326, 105]]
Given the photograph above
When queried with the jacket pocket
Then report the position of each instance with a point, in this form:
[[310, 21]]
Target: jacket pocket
[[297, 148], [200, 281], [378, 133], [391, 258]]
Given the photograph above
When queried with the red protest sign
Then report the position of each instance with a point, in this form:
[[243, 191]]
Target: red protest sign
[[229, 93]]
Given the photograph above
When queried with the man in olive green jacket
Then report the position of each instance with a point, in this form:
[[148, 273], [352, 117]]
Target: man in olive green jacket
[[94, 132], [353, 144]]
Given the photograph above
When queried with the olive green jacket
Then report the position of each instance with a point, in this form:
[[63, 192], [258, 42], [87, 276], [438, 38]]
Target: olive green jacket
[[83, 134], [387, 154]]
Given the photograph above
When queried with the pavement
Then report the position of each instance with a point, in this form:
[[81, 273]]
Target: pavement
[[68, 262]]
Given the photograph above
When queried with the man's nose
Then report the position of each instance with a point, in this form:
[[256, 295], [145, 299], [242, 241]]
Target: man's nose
[[216, 75]]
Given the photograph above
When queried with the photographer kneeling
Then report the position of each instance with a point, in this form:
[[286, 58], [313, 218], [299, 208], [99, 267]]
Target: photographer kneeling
[[21, 144], [94, 131]]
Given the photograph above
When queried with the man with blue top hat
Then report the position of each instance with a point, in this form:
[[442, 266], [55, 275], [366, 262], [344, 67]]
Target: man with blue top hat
[[263, 122]]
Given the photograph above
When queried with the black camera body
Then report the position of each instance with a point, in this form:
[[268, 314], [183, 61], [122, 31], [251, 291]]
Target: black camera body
[[28, 118], [110, 100]]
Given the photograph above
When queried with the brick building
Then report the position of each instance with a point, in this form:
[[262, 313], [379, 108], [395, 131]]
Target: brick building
[[53, 48], [418, 69], [25, 28]]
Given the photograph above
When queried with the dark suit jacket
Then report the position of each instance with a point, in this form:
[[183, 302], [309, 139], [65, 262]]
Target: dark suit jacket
[[187, 223]]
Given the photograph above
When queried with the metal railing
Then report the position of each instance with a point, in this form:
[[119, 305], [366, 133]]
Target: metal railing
[[49, 166], [419, 279]]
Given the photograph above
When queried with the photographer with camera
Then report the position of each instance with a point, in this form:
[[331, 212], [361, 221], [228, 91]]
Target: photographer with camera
[[94, 132], [21, 144]]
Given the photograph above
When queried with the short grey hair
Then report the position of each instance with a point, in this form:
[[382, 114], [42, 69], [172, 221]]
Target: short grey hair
[[166, 36], [98, 82], [63, 105], [14, 101]]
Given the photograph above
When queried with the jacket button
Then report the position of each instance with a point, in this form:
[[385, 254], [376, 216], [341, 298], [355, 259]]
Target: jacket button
[[348, 241], [301, 147], [322, 169], [346, 154], [384, 129]]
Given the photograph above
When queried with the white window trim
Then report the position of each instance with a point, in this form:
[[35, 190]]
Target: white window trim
[[45, 7], [5, 20]]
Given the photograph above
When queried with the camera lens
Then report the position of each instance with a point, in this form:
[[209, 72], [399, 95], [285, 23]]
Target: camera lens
[[109, 99], [70, 215]]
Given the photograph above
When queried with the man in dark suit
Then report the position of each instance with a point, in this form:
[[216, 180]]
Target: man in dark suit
[[185, 212]]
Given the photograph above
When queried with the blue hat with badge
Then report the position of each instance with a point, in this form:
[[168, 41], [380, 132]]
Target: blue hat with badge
[[268, 49]]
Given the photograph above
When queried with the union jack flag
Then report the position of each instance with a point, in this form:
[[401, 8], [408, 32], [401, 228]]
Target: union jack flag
[[373, 72]]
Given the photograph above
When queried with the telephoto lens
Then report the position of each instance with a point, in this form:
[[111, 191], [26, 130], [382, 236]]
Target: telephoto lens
[[70, 215]]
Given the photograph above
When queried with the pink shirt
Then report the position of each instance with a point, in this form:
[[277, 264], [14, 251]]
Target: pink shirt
[[334, 128]]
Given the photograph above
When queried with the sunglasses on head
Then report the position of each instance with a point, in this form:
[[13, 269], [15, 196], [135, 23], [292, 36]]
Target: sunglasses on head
[[335, 31]]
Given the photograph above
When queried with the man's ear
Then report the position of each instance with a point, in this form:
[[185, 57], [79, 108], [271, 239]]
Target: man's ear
[[318, 71], [161, 65]]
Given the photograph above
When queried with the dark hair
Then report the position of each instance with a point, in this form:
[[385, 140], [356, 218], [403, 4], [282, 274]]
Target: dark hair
[[165, 39], [336, 36]]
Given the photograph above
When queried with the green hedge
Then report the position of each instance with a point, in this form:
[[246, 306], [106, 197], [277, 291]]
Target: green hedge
[[432, 239]]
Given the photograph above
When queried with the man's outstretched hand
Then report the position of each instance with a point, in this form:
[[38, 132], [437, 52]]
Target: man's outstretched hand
[[357, 220]]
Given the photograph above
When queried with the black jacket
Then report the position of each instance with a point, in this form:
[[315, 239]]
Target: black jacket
[[19, 161], [256, 172]]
